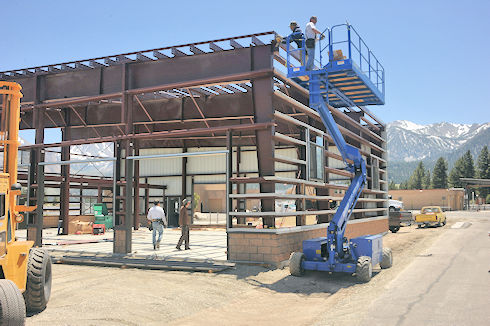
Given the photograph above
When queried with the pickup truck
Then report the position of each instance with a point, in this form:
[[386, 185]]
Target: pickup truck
[[396, 218], [430, 215]]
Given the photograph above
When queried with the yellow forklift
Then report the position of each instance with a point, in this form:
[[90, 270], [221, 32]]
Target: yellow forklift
[[25, 272]]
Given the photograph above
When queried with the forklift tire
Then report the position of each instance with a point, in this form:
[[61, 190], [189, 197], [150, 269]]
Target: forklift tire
[[295, 264], [364, 269], [38, 287], [12, 306], [394, 229], [387, 259]]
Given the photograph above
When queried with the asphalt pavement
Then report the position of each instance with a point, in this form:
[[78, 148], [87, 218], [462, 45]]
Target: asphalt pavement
[[447, 284]]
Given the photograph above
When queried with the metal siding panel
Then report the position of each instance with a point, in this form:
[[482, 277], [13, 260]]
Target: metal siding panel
[[163, 166], [249, 161], [174, 186], [206, 164], [210, 179], [287, 152]]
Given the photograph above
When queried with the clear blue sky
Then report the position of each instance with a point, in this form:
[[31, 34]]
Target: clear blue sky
[[435, 52]]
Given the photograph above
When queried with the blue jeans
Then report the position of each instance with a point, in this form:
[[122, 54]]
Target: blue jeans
[[157, 226], [310, 58]]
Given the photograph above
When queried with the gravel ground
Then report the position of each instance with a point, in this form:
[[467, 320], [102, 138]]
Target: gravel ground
[[247, 295]]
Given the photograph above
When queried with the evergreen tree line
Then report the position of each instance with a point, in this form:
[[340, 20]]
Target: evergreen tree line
[[464, 167]]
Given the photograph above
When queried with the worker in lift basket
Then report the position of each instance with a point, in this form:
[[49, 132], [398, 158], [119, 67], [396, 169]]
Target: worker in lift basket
[[156, 216], [310, 32], [184, 222], [296, 36]]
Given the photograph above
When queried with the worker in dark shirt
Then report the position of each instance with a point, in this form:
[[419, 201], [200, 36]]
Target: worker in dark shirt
[[296, 36], [184, 222]]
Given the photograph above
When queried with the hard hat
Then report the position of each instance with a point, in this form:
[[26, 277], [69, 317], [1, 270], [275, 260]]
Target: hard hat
[[294, 23]]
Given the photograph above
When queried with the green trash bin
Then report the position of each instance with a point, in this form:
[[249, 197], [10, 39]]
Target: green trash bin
[[102, 215]]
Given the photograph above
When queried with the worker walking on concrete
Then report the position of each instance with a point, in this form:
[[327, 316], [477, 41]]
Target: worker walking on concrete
[[156, 216], [310, 32], [184, 222]]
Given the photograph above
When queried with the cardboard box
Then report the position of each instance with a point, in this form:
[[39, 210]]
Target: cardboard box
[[74, 220], [337, 55], [83, 228]]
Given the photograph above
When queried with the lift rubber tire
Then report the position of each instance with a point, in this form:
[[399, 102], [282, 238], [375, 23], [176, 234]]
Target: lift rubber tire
[[12, 306], [295, 264], [38, 287], [444, 223], [364, 269], [394, 229], [387, 259]]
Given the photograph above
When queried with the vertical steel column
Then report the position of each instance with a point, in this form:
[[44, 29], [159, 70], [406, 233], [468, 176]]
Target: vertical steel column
[[115, 168], [300, 203], [34, 231], [184, 175], [123, 231], [99, 194], [264, 112], [229, 188], [192, 200], [240, 188], [40, 178], [31, 176], [65, 176], [128, 221], [384, 155], [117, 186], [147, 197], [136, 222], [40, 204]]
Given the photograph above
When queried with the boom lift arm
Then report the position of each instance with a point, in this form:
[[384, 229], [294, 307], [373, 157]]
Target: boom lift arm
[[336, 228], [334, 253]]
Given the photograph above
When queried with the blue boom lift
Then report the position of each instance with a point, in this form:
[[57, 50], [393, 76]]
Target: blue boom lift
[[362, 82]]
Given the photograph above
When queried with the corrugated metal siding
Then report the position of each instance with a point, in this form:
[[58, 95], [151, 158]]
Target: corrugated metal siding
[[248, 161], [287, 152], [163, 166], [207, 164], [174, 186]]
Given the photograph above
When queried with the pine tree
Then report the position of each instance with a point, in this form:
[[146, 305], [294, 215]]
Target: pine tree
[[456, 172], [483, 170], [439, 176], [417, 177], [426, 180], [468, 166]]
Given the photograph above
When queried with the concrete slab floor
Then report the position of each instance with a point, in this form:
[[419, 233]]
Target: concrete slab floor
[[204, 244]]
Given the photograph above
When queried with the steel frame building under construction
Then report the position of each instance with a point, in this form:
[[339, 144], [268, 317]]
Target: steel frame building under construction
[[220, 99]]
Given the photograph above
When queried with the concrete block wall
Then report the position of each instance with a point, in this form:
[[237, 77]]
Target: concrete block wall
[[274, 246]]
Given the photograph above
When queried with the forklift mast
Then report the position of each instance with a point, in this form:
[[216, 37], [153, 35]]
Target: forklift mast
[[10, 95]]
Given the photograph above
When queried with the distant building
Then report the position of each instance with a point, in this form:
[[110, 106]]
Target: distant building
[[451, 199]]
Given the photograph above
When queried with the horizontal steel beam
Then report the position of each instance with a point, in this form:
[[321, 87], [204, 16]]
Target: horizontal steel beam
[[78, 161], [193, 83], [155, 135], [176, 155]]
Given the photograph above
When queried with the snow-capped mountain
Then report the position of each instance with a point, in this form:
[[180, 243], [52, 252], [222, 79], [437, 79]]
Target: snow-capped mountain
[[409, 143]]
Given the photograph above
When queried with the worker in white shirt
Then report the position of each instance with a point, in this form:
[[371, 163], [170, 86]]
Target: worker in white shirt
[[310, 33], [156, 216]]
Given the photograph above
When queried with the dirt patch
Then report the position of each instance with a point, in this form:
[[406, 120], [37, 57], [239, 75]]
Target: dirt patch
[[243, 296]]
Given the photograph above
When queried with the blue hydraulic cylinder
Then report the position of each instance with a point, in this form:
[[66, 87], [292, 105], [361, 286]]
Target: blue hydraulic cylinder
[[336, 228], [318, 103]]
